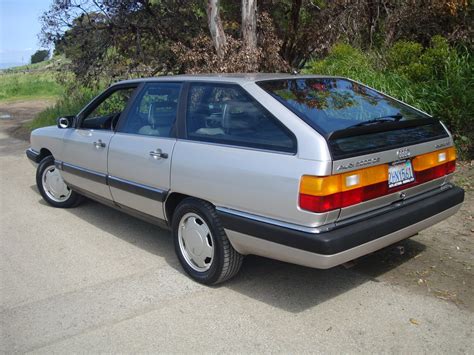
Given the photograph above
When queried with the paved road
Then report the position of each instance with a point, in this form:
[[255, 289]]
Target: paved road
[[92, 279]]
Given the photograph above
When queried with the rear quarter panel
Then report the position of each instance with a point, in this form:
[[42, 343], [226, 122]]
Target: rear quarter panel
[[258, 182]]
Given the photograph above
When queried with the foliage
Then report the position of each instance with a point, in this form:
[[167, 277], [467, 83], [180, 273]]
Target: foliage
[[74, 98], [121, 39], [17, 85], [40, 56], [445, 90], [201, 58], [126, 38]]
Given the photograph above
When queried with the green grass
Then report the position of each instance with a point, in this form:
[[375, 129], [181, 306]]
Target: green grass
[[55, 63], [68, 104], [28, 85], [32, 81]]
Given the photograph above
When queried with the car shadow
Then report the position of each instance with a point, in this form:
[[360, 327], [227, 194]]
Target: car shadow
[[286, 286]]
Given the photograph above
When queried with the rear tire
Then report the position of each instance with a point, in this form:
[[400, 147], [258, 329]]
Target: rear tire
[[201, 244], [52, 187]]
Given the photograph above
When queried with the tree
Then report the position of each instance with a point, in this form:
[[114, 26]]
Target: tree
[[249, 32], [127, 38], [215, 27], [40, 56], [249, 24]]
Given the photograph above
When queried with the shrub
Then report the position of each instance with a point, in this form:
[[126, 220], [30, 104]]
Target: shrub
[[40, 56], [404, 53], [70, 103]]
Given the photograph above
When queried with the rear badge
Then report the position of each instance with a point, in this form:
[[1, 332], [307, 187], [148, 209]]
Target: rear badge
[[403, 153], [400, 173], [359, 163]]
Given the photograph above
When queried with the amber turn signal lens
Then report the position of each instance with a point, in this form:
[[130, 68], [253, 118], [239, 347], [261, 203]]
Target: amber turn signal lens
[[430, 160]]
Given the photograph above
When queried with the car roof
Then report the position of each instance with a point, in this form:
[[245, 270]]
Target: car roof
[[238, 78]]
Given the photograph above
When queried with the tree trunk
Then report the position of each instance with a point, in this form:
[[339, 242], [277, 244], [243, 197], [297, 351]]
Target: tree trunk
[[215, 27], [289, 48], [249, 24]]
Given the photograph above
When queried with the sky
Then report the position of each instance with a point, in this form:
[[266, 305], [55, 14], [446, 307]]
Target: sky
[[19, 29]]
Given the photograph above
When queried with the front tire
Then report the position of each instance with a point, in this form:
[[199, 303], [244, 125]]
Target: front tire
[[201, 244], [52, 187]]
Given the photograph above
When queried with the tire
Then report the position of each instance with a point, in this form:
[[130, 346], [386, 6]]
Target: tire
[[194, 217], [64, 198]]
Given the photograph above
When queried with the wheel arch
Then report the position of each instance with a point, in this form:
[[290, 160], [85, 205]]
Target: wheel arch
[[44, 152], [172, 201]]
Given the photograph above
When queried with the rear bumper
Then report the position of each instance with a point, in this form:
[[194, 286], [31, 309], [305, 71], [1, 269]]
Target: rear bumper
[[33, 156], [349, 239]]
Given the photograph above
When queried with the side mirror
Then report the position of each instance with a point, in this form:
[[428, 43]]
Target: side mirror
[[65, 121]]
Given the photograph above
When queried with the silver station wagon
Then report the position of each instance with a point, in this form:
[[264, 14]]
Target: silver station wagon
[[310, 170]]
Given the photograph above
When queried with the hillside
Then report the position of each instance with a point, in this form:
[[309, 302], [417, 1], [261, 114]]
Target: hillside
[[33, 81]]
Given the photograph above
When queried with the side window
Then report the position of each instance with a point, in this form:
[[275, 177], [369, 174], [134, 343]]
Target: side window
[[107, 113], [154, 111], [227, 114]]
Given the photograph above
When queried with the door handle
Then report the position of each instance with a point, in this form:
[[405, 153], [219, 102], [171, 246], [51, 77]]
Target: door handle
[[158, 154], [99, 144]]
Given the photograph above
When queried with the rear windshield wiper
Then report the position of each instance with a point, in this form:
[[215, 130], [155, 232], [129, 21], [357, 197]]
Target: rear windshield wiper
[[389, 118]]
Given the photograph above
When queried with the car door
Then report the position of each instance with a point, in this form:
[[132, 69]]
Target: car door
[[140, 152], [84, 156]]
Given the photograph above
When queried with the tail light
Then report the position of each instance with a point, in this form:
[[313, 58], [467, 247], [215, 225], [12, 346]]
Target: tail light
[[326, 193]]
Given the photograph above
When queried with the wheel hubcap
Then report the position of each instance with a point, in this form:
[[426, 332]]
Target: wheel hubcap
[[195, 242], [54, 185]]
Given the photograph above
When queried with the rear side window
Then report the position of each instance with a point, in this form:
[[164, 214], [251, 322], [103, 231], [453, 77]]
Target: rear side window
[[226, 114]]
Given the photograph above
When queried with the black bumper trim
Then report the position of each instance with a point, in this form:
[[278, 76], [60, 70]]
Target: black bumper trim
[[348, 236], [125, 185], [137, 189], [33, 155], [84, 173]]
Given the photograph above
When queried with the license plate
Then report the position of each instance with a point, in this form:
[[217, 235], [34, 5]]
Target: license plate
[[399, 173]]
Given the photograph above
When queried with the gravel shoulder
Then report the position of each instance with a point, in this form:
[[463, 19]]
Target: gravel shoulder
[[92, 279]]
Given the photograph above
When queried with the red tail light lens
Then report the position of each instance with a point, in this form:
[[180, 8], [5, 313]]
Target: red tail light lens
[[323, 194]]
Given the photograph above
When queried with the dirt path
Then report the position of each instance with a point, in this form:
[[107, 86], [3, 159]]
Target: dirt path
[[438, 262], [15, 114]]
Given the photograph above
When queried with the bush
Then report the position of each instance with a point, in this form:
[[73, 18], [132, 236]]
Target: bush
[[40, 56], [438, 79], [70, 103]]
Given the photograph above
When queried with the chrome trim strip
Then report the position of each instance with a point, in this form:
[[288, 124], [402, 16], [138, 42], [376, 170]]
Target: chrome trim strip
[[138, 189]]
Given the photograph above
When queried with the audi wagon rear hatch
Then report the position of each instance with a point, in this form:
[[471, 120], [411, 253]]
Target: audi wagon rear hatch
[[382, 149], [355, 119]]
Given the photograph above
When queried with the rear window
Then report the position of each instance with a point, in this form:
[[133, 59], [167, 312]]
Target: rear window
[[341, 109]]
